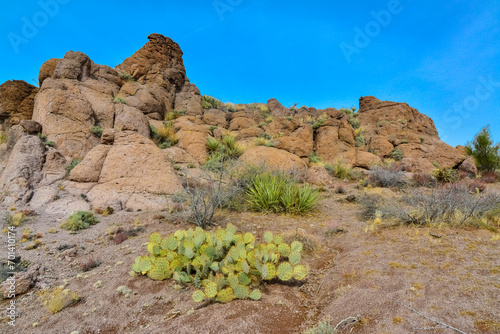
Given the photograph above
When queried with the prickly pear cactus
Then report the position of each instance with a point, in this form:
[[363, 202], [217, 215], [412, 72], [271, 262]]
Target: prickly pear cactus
[[224, 264]]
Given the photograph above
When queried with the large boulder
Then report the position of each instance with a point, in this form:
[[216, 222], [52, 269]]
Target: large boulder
[[75, 96], [132, 171], [335, 140], [16, 102], [273, 158], [159, 62], [22, 170]]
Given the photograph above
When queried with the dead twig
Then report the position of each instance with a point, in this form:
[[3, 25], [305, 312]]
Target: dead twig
[[346, 322], [436, 323]]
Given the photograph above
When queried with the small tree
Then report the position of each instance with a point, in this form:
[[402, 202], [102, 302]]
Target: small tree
[[484, 152]]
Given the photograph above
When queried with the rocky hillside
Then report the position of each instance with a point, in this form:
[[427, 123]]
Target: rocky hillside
[[104, 118]]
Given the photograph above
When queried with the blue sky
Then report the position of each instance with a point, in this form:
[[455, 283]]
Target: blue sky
[[441, 57]]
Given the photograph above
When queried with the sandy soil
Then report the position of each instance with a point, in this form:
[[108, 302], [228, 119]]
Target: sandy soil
[[451, 275]]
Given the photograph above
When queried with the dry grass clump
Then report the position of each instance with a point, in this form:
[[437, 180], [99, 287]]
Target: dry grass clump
[[452, 204], [386, 177], [164, 136], [57, 298]]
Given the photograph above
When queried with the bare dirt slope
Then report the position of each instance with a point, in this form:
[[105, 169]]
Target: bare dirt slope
[[451, 275]]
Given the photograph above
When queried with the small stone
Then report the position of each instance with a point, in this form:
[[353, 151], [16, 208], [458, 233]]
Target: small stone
[[119, 263]]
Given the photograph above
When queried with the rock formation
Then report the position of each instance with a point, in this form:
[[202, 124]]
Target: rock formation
[[103, 116]]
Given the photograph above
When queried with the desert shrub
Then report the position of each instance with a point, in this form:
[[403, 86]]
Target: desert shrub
[[205, 199], [117, 99], [355, 123], [452, 204], [386, 177], [91, 262], [210, 102], [485, 153], [212, 144], [96, 131], [16, 219], [313, 158], [341, 171], [57, 298], [323, 327], [360, 140], [277, 192], [221, 264], [174, 114], [397, 154], [50, 143], [445, 175], [226, 150], [79, 221], [164, 136], [3, 138], [73, 164], [261, 141], [370, 204], [423, 180], [319, 122], [127, 77]]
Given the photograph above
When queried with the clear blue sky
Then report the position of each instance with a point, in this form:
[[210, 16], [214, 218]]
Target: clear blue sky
[[441, 57]]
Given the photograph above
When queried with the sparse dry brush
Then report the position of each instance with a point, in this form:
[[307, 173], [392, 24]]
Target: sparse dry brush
[[451, 204]]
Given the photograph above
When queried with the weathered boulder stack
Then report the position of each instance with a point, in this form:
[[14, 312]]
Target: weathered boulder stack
[[103, 117]]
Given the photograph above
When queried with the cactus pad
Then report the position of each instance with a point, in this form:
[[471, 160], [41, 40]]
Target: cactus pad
[[198, 296], [241, 292], [296, 246], [155, 238], [285, 271], [294, 258], [284, 249], [244, 279], [255, 295], [248, 238], [145, 264], [277, 239], [271, 271], [299, 272], [225, 295], [172, 243], [211, 289], [268, 237]]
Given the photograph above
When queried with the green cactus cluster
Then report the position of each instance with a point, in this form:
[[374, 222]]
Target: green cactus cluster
[[224, 265]]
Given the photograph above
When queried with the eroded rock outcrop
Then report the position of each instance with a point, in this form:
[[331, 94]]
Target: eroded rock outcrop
[[131, 173], [389, 126], [16, 102]]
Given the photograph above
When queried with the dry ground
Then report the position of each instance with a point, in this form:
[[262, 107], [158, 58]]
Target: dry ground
[[450, 274]]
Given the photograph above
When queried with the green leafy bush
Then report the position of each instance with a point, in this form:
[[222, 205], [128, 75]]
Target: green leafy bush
[[313, 158], [445, 175], [397, 154], [3, 138], [96, 131], [276, 192], [210, 102], [341, 171], [485, 153], [80, 221], [164, 136], [223, 264], [222, 151], [127, 77], [117, 99], [73, 164]]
